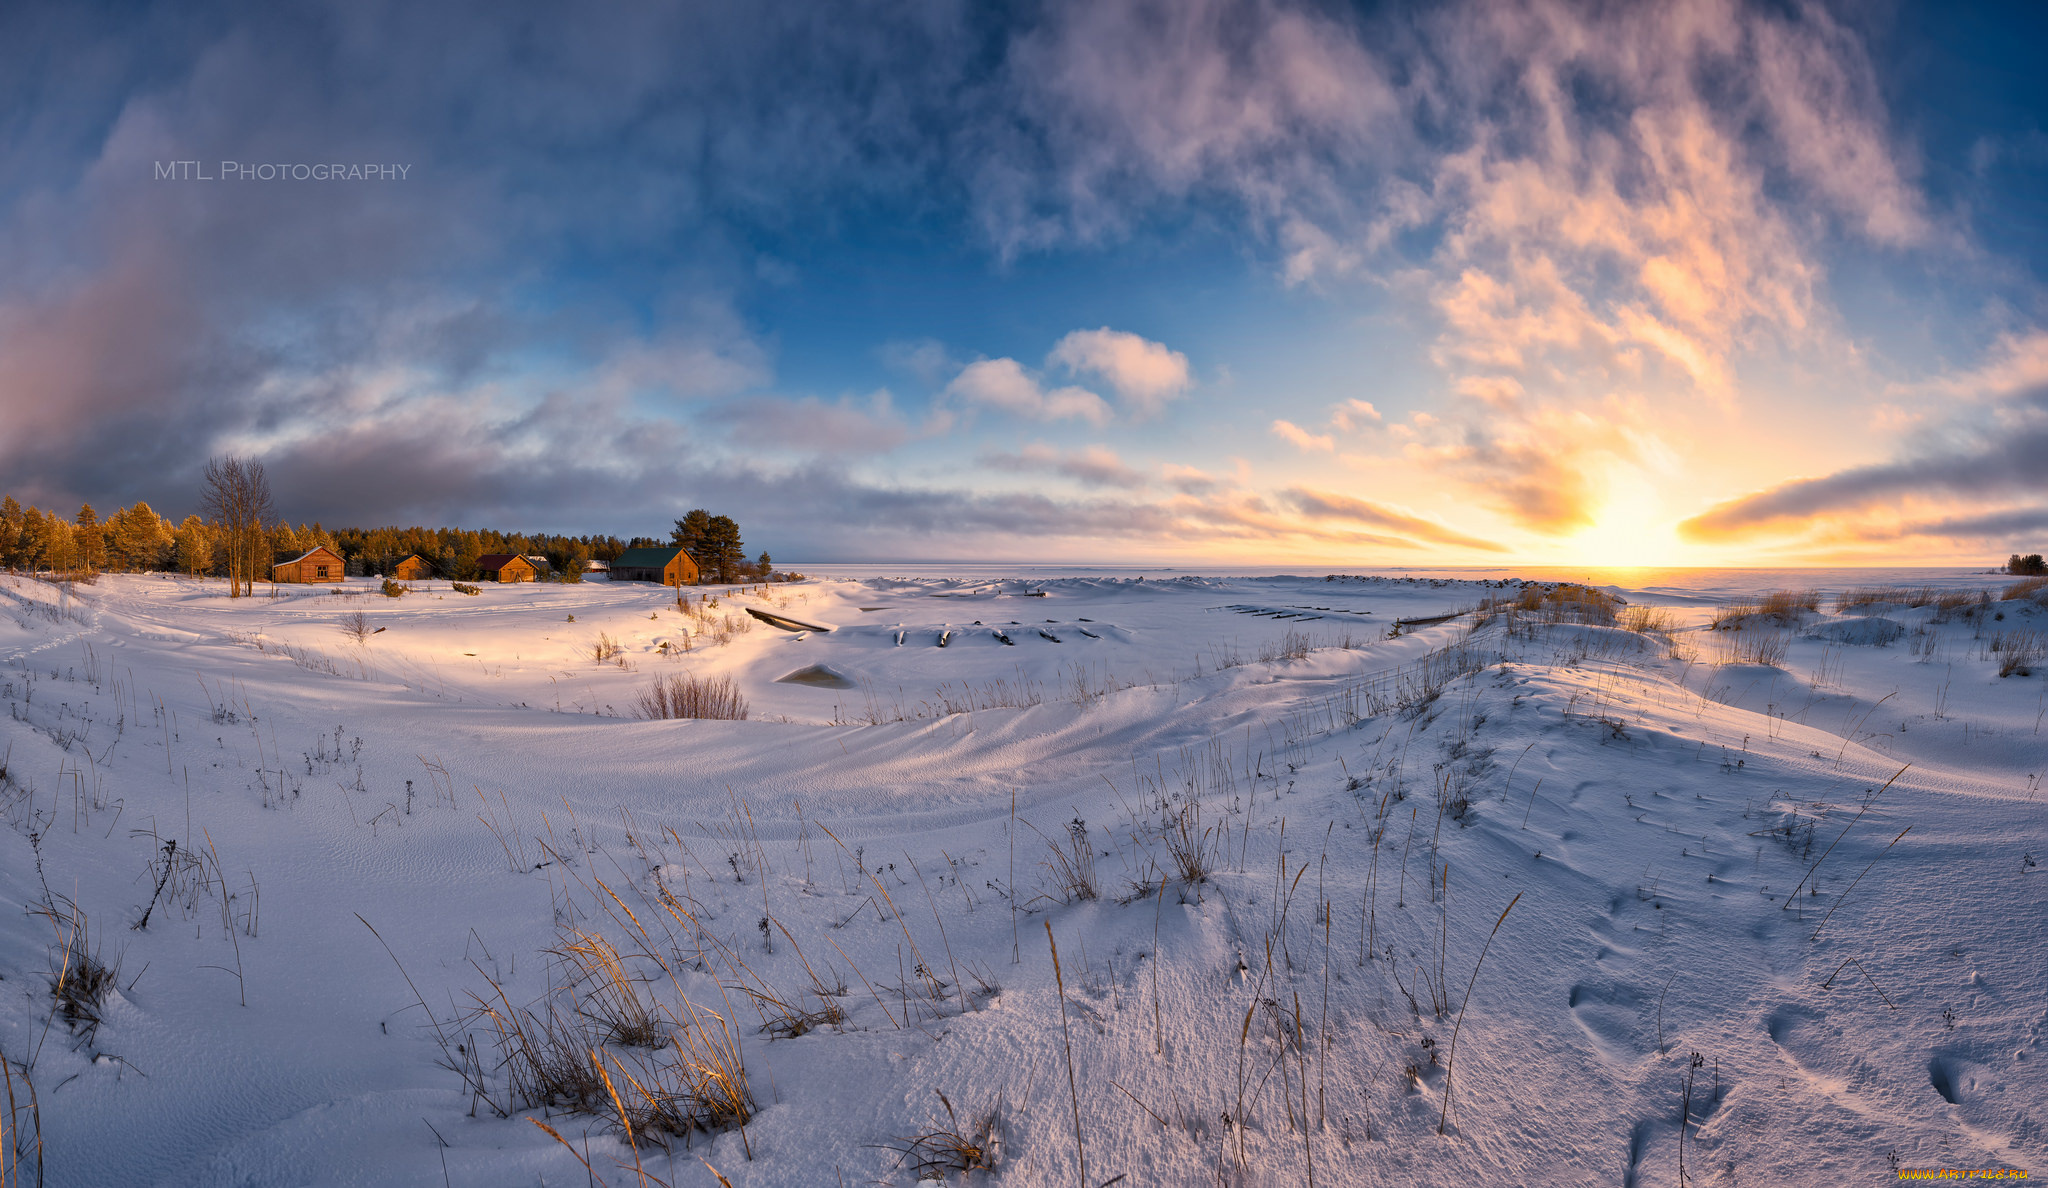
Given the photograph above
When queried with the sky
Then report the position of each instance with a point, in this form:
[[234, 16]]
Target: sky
[[1254, 282]]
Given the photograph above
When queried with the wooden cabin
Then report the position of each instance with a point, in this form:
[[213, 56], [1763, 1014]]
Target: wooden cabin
[[541, 567], [320, 564], [505, 567], [412, 569], [669, 566]]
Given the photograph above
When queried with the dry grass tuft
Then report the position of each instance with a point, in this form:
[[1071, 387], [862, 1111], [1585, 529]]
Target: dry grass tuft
[[21, 1129], [1789, 604], [944, 1149], [80, 981], [1648, 620], [2018, 651], [1071, 863], [1191, 845], [681, 695], [679, 1068], [2034, 588], [1566, 602]]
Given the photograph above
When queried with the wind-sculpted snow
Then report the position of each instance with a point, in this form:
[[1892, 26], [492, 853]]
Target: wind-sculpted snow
[[1271, 822]]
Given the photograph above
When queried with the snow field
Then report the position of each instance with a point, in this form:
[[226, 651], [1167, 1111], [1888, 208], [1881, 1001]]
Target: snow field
[[1362, 809]]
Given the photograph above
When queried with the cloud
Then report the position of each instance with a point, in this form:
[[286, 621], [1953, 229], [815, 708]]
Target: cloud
[[1145, 374], [1989, 447], [2017, 364], [1355, 416], [1584, 207], [1545, 470], [809, 425], [1095, 466], [1003, 384], [1329, 506], [1189, 480], [1302, 439]]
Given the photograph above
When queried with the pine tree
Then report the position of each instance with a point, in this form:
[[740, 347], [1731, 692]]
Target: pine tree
[[693, 535], [10, 533], [89, 543], [194, 544], [728, 552], [141, 539]]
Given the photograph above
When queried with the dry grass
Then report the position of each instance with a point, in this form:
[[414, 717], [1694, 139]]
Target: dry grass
[[1071, 863], [1648, 620], [356, 625], [1753, 647], [21, 1129], [2034, 588], [1191, 845], [1566, 602], [679, 1066], [682, 695], [79, 980], [1788, 604], [2018, 651], [950, 1147], [1945, 602], [605, 648], [465, 588]]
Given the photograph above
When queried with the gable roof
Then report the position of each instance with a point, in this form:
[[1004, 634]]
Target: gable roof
[[308, 553], [657, 558], [498, 560]]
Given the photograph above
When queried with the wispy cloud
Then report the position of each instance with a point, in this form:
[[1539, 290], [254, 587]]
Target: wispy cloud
[[1302, 439], [1095, 465], [1325, 505], [1988, 447]]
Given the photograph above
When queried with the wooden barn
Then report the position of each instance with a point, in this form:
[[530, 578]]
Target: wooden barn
[[669, 566], [412, 569], [320, 564], [505, 567]]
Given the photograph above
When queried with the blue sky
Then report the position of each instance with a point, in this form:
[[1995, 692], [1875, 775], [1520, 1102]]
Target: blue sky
[[1710, 283]]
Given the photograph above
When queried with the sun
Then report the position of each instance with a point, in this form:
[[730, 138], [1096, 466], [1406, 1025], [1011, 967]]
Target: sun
[[1633, 531]]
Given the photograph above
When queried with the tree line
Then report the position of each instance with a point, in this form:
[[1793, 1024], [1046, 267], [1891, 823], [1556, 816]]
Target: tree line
[[240, 537]]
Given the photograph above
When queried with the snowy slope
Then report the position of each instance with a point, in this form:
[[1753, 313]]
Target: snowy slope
[[472, 783]]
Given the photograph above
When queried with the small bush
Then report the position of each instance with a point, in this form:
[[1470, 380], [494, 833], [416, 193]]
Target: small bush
[[682, 695], [392, 589], [465, 588], [606, 648], [357, 624]]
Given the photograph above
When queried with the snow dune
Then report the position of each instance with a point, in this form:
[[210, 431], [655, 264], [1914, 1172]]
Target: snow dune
[[1822, 875]]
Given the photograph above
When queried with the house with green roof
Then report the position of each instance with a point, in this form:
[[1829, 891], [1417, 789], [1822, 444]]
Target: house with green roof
[[670, 566]]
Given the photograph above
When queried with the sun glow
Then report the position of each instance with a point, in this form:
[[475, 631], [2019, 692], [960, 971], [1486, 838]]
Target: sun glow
[[1632, 531]]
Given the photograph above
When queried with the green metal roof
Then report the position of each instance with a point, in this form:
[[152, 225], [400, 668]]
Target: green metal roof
[[646, 558]]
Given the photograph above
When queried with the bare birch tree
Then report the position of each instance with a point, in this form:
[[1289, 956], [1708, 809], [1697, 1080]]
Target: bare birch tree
[[237, 497]]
